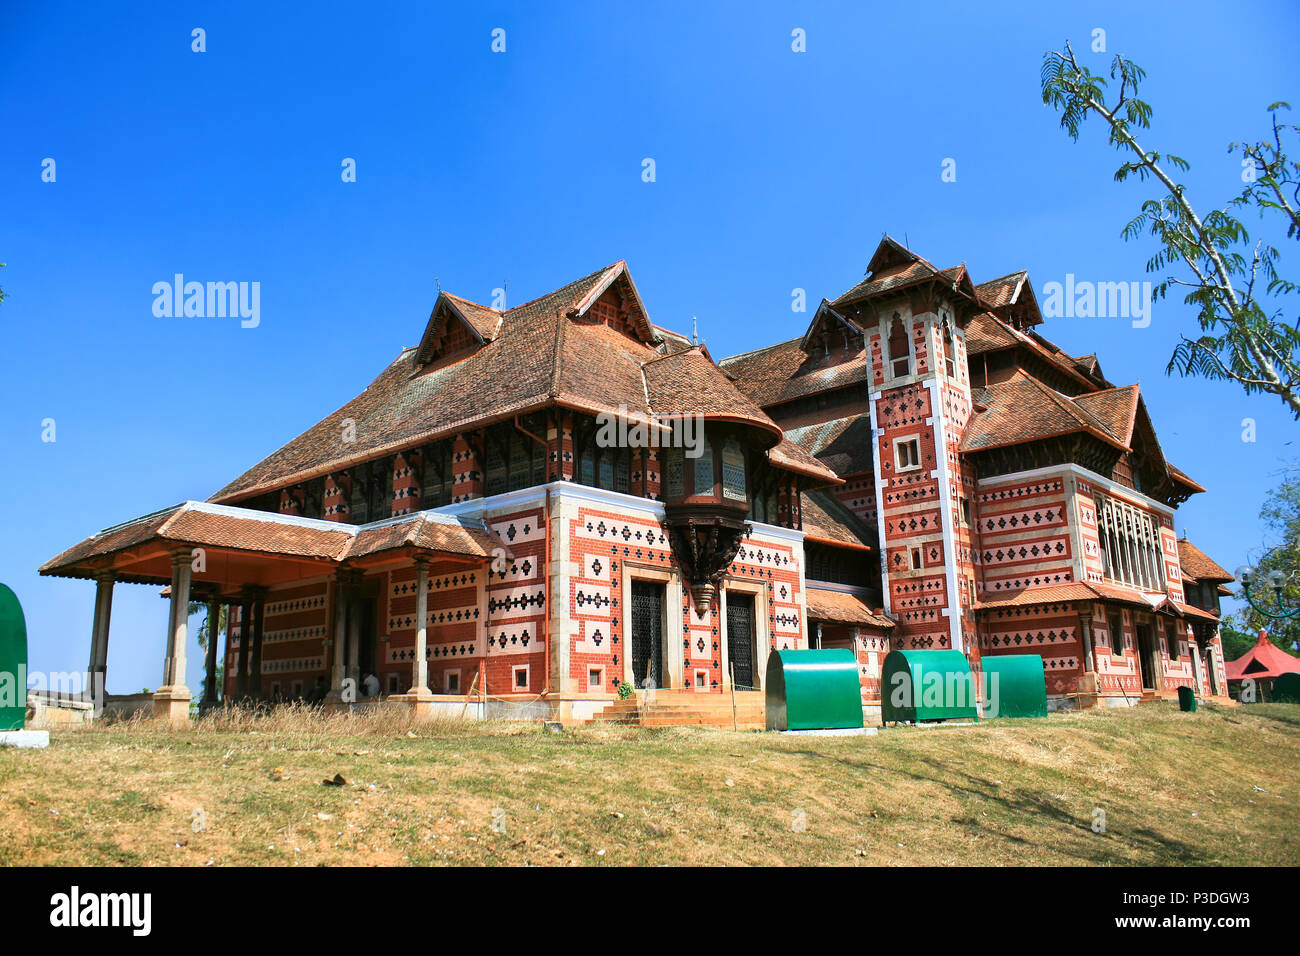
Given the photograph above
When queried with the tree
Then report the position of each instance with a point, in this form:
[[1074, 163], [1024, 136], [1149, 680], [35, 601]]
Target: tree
[[1241, 339], [1281, 552]]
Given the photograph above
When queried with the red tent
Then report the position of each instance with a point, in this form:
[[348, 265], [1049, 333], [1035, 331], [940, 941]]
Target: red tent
[[1263, 661]]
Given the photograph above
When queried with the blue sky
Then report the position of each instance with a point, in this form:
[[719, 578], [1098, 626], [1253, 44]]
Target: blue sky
[[775, 170]]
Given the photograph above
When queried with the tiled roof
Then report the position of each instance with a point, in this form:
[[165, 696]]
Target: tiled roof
[[791, 457], [1052, 594], [1001, 291], [827, 521], [202, 524], [545, 352], [839, 607], [1198, 564], [1023, 409], [784, 372], [987, 333], [1116, 408], [843, 444], [687, 383], [484, 319]]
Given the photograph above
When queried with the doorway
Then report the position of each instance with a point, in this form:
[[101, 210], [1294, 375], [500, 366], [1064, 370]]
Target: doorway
[[1148, 660], [647, 646], [741, 639]]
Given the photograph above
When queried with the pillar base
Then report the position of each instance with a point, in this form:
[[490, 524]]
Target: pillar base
[[172, 704]]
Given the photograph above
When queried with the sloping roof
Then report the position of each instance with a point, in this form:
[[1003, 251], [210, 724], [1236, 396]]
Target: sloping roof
[[839, 607], [202, 524], [827, 521], [1023, 409], [484, 319], [1052, 594], [545, 352], [1198, 564], [1265, 659], [843, 444], [1116, 408], [1079, 591], [1003, 290], [783, 372]]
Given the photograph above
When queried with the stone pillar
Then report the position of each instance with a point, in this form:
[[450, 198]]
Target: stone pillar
[[466, 467], [420, 667], [172, 700], [210, 676], [96, 675], [255, 655], [244, 670]]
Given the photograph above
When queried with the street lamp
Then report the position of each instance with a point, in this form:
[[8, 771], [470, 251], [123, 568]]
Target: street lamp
[[1277, 581]]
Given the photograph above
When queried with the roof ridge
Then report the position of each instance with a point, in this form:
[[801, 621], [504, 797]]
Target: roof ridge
[[765, 348], [558, 290]]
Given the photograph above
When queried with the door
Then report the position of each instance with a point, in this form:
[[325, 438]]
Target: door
[[648, 634], [1148, 661], [740, 639]]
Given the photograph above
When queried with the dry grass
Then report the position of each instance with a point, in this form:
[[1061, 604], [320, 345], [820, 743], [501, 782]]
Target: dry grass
[[1215, 787]]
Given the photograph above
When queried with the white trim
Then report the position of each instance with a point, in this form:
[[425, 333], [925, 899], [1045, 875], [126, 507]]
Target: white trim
[[854, 589], [1111, 487], [249, 514], [953, 610], [878, 471]]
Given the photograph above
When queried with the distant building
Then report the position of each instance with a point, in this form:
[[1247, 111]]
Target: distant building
[[491, 523]]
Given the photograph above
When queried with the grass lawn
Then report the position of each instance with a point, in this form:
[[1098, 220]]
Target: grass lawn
[[1215, 787]]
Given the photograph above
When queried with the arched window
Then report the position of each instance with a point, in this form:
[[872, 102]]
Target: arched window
[[899, 354]]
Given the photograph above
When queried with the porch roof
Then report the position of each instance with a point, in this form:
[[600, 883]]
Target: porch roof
[[138, 551], [839, 607]]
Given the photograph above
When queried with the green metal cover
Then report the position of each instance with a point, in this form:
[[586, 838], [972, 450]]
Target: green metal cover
[[926, 685], [813, 690], [13, 662], [1186, 699], [1286, 688], [1015, 685]]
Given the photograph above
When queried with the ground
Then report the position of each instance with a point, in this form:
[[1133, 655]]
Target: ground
[[1214, 787]]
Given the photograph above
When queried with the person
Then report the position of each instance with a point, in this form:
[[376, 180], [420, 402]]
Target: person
[[370, 686]]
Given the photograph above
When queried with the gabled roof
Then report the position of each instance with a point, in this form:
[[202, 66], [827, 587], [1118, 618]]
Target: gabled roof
[[481, 321], [893, 266], [1198, 565], [1023, 409], [825, 315], [1115, 407], [545, 352]]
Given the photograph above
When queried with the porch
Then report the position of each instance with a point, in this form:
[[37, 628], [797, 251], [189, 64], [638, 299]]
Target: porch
[[256, 565]]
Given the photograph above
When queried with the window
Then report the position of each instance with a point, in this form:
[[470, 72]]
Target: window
[[1130, 545], [702, 680], [674, 472], [970, 589], [704, 470], [900, 356], [733, 470], [595, 678], [521, 677], [916, 559], [1116, 635], [436, 475], [965, 511], [452, 682], [907, 454], [949, 347]]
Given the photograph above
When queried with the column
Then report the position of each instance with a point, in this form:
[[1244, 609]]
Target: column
[[172, 700], [242, 671], [255, 658], [210, 677], [97, 671], [340, 608], [420, 668]]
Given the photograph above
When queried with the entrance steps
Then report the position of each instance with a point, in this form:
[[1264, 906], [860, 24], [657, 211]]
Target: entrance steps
[[685, 708]]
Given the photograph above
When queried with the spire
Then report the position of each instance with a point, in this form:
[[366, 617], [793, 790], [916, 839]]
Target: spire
[[695, 331]]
